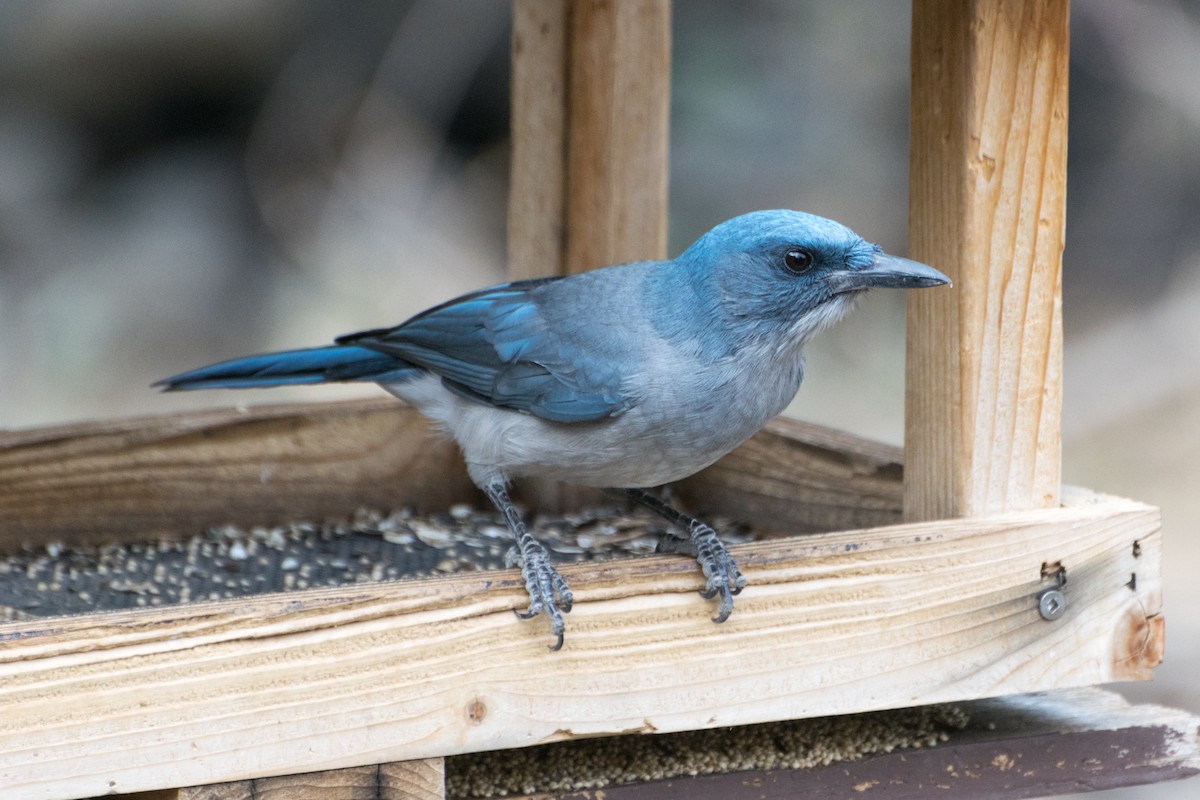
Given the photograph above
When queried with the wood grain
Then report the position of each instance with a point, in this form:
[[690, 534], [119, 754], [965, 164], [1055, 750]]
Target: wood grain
[[161, 476], [174, 475], [537, 205], [798, 478], [987, 206], [334, 678], [590, 113], [619, 106], [406, 780]]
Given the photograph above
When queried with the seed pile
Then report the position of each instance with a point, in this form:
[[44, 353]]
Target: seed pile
[[231, 561], [596, 763]]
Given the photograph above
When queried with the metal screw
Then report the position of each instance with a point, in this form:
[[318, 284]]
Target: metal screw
[[1051, 604]]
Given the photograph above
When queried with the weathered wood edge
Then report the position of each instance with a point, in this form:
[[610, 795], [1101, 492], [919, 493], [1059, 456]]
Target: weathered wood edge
[[1038, 745], [173, 475], [403, 780], [841, 622], [616, 577]]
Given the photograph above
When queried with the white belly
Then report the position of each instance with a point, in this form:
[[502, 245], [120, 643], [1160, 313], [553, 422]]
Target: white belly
[[676, 428]]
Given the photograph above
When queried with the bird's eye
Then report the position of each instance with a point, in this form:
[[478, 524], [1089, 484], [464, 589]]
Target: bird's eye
[[797, 261]]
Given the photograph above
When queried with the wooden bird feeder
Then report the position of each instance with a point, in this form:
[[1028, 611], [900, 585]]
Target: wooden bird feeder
[[921, 583]]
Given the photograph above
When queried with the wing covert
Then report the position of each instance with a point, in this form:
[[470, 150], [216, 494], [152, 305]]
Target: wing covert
[[494, 346]]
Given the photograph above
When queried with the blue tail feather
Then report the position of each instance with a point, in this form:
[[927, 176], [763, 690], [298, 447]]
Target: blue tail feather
[[291, 367]]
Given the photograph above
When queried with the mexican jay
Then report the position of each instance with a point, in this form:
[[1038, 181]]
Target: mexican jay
[[625, 377]]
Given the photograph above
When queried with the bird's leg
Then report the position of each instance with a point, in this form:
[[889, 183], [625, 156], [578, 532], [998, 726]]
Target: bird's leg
[[720, 570], [542, 580]]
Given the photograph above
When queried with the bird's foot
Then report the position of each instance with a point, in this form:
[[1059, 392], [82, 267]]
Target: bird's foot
[[721, 572], [548, 591]]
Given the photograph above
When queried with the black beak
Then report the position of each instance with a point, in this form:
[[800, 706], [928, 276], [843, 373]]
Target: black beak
[[886, 271]]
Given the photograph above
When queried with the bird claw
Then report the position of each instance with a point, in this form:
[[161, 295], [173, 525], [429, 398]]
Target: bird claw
[[721, 573], [720, 570], [548, 591]]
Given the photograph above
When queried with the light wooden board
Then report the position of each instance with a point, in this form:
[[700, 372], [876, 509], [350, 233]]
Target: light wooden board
[[986, 206], [170, 475], [537, 185], [619, 106], [590, 113], [837, 623]]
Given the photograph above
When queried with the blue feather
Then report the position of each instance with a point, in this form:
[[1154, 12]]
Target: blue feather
[[494, 346], [312, 365]]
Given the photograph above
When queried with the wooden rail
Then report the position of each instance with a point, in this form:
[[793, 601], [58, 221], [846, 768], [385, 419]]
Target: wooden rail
[[171, 476], [329, 678]]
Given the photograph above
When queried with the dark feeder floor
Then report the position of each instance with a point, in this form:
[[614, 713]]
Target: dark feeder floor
[[232, 561]]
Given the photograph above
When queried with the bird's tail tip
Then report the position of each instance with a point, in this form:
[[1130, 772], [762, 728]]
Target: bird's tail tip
[[336, 363]]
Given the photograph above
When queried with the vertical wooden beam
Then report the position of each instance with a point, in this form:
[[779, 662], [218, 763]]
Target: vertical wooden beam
[[987, 206], [537, 205], [620, 61], [591, 101]]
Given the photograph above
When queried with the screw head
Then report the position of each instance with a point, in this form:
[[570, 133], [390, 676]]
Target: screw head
[[1052, 603]]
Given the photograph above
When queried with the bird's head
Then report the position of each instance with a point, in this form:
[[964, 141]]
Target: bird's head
[[791, 274]]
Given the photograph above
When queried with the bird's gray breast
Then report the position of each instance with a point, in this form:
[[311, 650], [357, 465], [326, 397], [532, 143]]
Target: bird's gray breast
[[690, 413]]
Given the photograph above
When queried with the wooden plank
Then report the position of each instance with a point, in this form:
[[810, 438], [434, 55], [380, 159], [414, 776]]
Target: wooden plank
[[1066, 742], [335, 678], [172, 475], [537, 206], [590, 114], [407, 780], [619, 106], [799, 478], [155, 476], [986, 206]]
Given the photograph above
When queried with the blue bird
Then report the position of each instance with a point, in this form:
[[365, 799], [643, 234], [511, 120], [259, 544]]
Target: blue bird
[[626, 377]]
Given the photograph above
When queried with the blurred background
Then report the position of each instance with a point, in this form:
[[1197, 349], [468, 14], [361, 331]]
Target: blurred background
[[185, 182]]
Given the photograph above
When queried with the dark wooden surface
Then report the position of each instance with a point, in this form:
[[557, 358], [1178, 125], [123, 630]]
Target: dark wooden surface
[[1025, 746]]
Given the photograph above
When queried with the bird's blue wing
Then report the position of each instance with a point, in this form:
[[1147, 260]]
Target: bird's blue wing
[[495, 346]]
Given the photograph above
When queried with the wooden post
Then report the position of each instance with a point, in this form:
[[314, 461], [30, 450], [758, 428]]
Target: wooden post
[[620, 63], [986, 205], [591, 97], [538, 172]]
